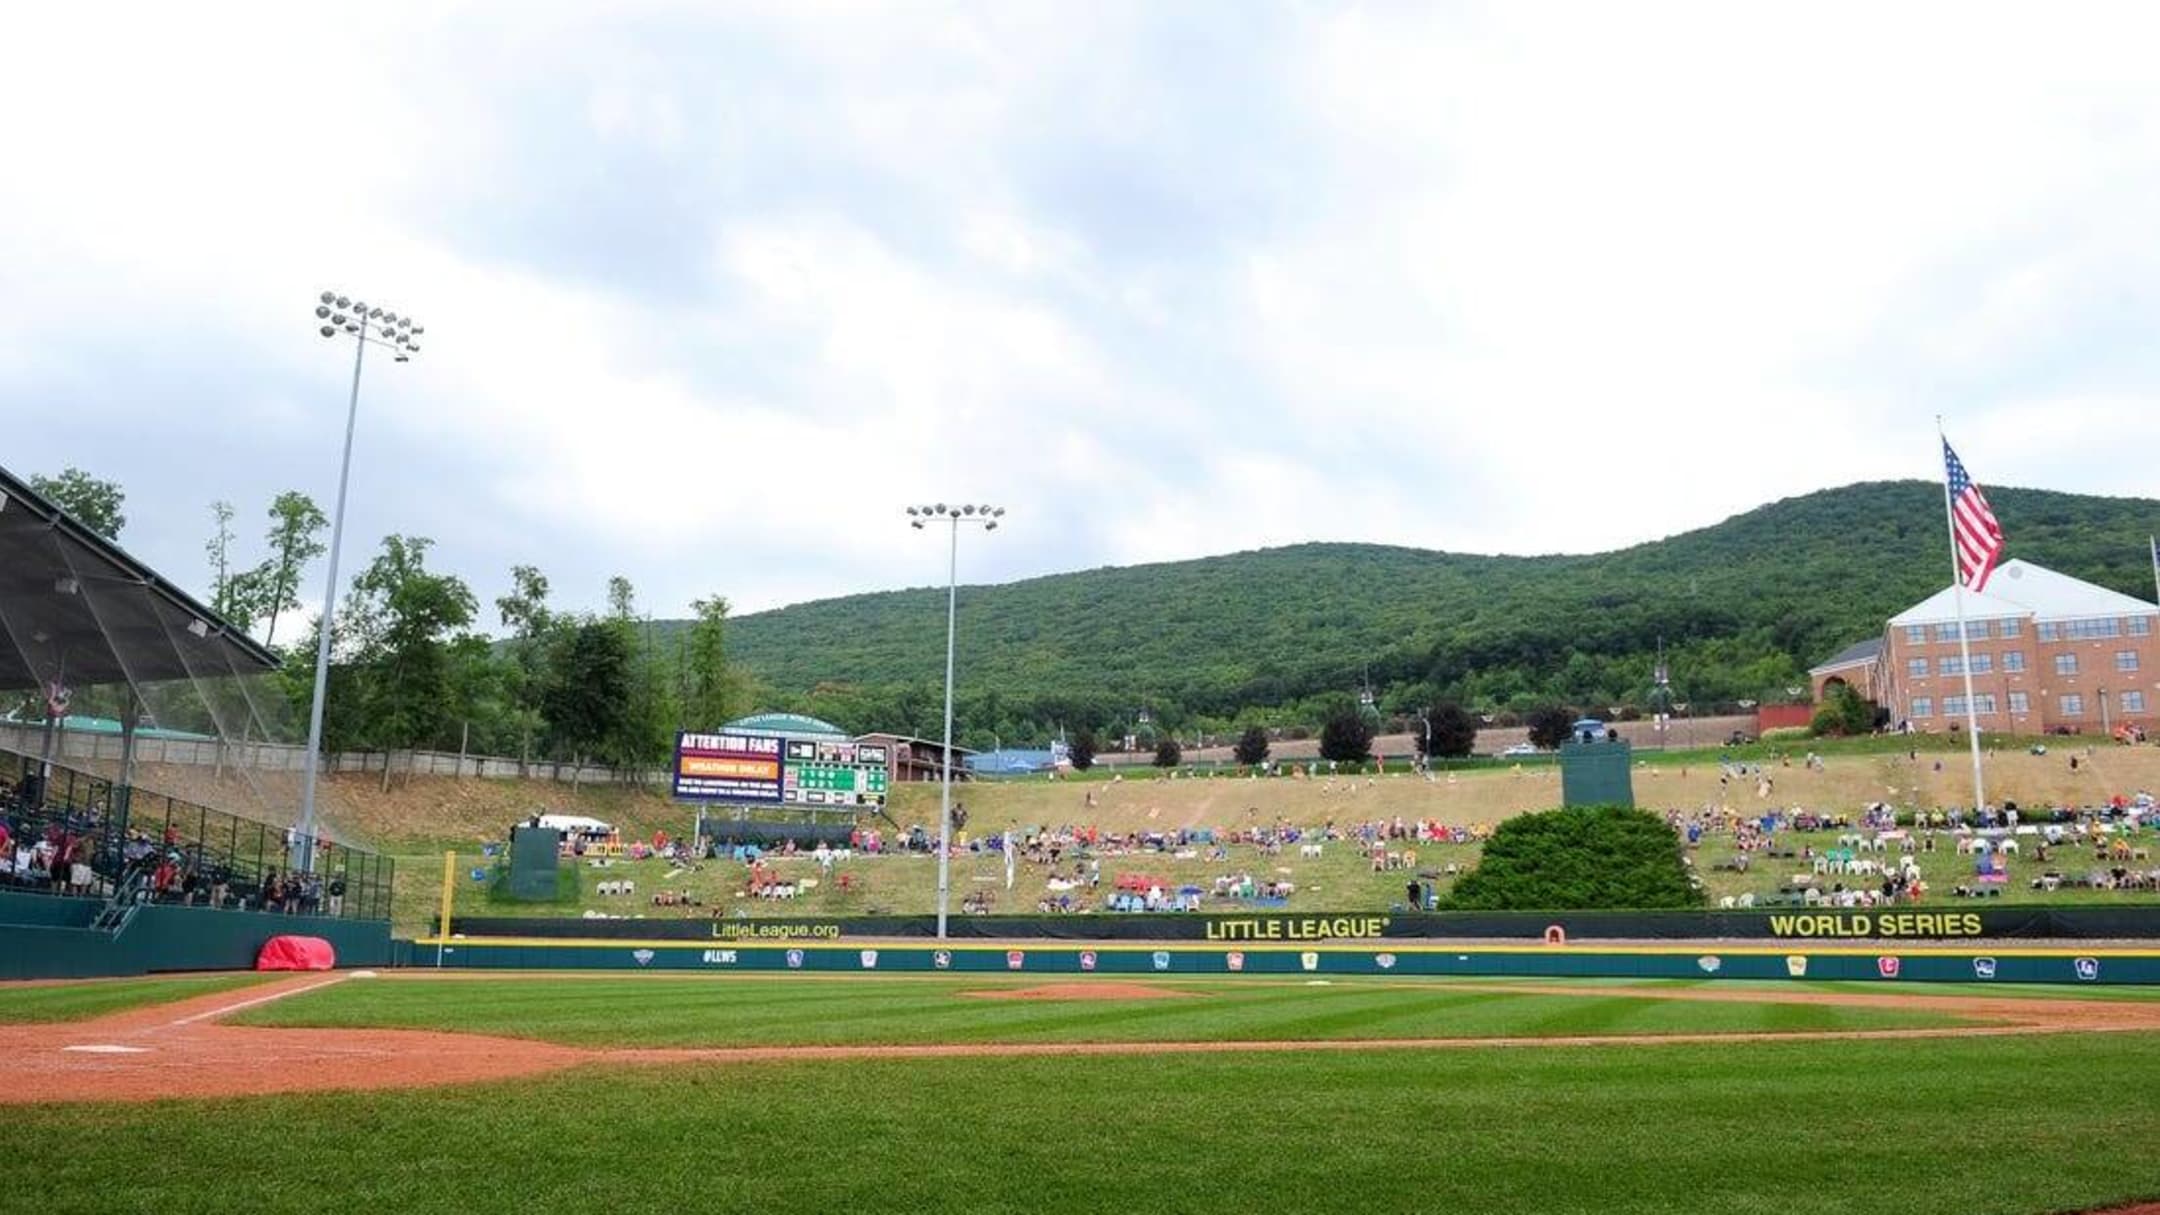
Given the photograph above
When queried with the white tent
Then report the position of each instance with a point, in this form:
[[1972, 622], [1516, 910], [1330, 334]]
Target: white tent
[[577, 823]]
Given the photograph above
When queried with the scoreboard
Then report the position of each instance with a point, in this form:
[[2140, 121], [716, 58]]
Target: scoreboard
[[730, 769], [834, 774]]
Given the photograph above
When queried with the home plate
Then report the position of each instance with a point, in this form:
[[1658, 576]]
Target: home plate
[[107, 1050]]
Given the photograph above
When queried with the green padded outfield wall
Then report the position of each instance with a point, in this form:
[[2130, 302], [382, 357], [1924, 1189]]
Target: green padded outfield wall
[[47, 937], [1888, 963], [1597, 773]]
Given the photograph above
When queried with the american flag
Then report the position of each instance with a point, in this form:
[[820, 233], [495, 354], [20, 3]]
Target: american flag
[[1974, 533]]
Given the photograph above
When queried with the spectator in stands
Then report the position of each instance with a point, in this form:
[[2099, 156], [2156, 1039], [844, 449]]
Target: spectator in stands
[[337, 894]]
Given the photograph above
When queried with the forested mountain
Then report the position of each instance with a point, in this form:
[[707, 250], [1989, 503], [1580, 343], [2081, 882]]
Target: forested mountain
[[1744, 608]]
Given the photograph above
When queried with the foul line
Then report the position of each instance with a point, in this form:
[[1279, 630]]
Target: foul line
[[275, 995]]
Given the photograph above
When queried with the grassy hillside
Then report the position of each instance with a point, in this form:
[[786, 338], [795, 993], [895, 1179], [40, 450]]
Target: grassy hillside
[[1744, 607]]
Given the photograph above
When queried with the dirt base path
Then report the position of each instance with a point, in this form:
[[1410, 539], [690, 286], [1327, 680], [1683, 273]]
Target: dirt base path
[[181, 1049]]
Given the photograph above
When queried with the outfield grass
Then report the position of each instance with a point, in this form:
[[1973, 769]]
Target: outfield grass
[[704, 1011], [98, 997], [1940, 1127]]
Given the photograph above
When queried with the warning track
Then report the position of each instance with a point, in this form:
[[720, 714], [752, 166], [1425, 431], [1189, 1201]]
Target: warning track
[[182, 1050]]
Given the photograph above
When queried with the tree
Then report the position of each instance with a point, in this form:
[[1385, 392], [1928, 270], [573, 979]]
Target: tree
[[622, 600], [92, 502], [402, 617], [711, 692], [295, 538], [219, 549], [1081, 750], [524, 611], [1449, 732], [1580, 858], [1347, 737], [1843, 712], [587, 696], [1549, 725], [1252, 746], [1168, 754]]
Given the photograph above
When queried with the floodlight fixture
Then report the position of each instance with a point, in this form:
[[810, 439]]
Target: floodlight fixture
[[952, 517], [368, 326]]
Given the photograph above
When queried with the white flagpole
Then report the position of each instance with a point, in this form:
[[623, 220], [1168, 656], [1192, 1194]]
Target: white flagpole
[[2153, 542], [1957, 587]]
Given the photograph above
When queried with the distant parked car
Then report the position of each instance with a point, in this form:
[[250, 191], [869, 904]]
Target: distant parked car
[[1520, 749]]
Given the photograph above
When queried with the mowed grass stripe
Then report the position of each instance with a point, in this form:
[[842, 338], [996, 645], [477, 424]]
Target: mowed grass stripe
[[94, 998], [1777, 1128], [631, 1013]]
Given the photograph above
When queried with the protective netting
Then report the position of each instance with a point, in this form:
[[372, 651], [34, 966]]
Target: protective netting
[[139, 736]]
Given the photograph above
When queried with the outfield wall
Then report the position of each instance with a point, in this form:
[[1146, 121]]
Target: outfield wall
[[48, 937], [1368, 960], [1943, 922]]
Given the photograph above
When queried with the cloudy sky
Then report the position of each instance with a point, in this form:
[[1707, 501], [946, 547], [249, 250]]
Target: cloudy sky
[[714, 290]]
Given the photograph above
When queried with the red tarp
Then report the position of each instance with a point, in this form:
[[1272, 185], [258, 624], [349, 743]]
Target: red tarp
[[296, 953]]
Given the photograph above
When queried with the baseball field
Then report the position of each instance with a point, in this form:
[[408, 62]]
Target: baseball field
[[795, 1092]]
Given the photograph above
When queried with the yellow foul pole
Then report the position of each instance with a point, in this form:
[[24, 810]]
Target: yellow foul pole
[[449, 889]]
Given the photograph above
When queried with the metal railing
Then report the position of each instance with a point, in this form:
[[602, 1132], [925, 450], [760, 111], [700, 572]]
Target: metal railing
[[124, 836]]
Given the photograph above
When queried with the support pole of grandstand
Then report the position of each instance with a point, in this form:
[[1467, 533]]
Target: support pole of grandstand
[[305, 843], [944, 831], [1957, 588]]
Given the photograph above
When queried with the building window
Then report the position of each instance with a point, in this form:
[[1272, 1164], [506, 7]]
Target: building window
[[1916, 634], [1982, 664], [2046, 632], [2066, 664], [2141, 626], [2014, 661], [1975, 630], [2073, 706], [2091, 630], [2126, 660], [2133, 702], [1954, 706], [1950, 665], [2019, 704], [2009, 630], [1923, 706], [1916, 667]]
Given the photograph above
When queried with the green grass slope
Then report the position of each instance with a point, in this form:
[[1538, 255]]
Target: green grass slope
[[1745, 606]]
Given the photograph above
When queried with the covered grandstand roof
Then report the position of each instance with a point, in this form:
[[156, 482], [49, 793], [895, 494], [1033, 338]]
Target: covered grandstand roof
[[76, 607]]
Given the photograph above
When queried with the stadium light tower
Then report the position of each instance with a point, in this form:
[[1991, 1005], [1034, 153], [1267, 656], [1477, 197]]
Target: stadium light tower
[[919, 518], [399, 335]]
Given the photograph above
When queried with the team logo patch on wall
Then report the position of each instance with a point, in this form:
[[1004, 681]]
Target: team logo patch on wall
[[1162, 959], [1087, 959], [869, 959], [1309, 960], [1710, 963], [942, 959], [644, 956], [1234, 960], [1887, 967], [1983, 968], [794, 959], [1015, 959], [2088, 969], [1796, 965], [1385, 961]]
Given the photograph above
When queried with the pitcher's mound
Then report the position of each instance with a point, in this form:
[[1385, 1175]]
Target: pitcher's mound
[[1081, 991]]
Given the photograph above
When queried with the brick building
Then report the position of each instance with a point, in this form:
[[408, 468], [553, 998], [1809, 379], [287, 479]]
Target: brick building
[[2049, 652]]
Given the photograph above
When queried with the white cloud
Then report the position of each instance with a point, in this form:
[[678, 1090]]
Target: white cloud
[[713, 293]]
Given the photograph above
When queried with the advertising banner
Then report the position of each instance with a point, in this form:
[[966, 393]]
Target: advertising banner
[[729, 769], [1822, 927]]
